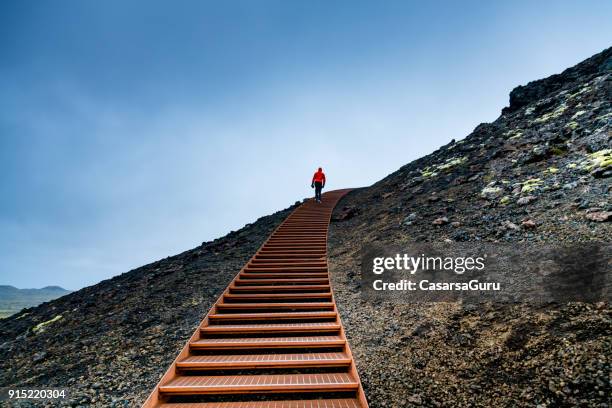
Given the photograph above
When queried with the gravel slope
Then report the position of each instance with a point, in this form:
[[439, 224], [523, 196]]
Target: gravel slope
[[111, 342], [448, 354]]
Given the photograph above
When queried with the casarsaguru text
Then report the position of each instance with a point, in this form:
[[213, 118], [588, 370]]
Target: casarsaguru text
[[425, 285]]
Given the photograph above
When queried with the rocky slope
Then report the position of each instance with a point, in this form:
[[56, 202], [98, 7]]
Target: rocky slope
[[541, 172], [110, 343]]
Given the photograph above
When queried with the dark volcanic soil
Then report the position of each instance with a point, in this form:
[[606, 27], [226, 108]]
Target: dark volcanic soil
[[546, 159], [110, 343]]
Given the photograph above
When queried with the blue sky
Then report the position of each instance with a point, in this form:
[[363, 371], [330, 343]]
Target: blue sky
[[134, 130]]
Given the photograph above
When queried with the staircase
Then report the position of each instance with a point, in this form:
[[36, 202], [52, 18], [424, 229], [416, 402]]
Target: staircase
[[274, 338]]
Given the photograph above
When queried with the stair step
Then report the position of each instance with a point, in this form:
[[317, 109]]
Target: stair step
[[289, 249], [293, 245], [251, 296], [305, 221], [268, 342], [297, 240], [277, 288], [285, 254], [272, 316], [251, 361], [270, 328], [301, 227], [307, 403], [290, 262], [257, 268], [290, 255], [273, 263], [282, 275], [261, 305], [314, 231], [299, 230], [299, 234], [311, 240], [286, 273], [308, 238], [292, 240], [287, 262], [293, 251], [240, 384], [323, 281]]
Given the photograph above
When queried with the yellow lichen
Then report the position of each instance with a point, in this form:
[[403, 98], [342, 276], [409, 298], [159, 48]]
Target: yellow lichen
[[40, 327], [551, 115], [579, 113], [600, 159], [505, 200], [551, 170], [604, 117], [450, 163], [530, 185], [428, 172], [580, 92], [490, 191], [432, 171], [513, 134], [572, 125]]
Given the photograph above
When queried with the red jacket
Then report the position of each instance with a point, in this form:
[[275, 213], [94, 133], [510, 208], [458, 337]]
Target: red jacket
[[319, 176]]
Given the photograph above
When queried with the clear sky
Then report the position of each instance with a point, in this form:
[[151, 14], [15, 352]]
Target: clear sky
[[134, 130]]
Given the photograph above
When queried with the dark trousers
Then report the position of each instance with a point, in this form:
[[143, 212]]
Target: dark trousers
[[318, 188]]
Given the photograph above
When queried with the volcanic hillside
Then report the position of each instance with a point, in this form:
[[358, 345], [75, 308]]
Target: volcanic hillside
[[540, 172], [111, 342]]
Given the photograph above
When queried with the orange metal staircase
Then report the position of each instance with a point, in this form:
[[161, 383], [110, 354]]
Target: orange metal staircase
[[274, 338]]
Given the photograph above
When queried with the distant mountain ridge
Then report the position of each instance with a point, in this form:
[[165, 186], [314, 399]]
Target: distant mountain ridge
[[13, 299]]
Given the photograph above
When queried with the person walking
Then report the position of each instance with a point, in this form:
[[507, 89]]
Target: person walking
[[318, 183]]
